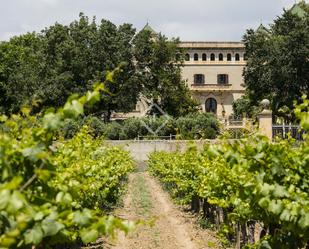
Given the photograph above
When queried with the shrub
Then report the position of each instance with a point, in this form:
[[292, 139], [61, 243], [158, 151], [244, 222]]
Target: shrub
[[192, 126], [96, 125], [131, 128], [71, 127], [198, 125], [162, 125], [112, 131]]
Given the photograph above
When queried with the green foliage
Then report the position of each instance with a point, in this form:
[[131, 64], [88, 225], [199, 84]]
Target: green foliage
[[112, 131], [191, 126], [99, 180], [252, 178], [71, 127], [44, 69], [96, 125], [55, 192], [243, 106], [278, 66], [159, 60], [131, 128], [199, 125], [62, 60]]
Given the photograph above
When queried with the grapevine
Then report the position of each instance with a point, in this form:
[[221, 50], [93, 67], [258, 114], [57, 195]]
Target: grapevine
[[244, 184], [56, 192]]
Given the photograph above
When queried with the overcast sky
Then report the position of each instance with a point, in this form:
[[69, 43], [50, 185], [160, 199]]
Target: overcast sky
[[196, 20]]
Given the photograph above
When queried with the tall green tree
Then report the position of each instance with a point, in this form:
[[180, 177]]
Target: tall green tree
[[67, 59], [159, 62], [278, 65], [124, 90], [20, 68], [64, 59]]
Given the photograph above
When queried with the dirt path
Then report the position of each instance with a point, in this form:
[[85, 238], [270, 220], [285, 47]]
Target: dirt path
[[170, 229]]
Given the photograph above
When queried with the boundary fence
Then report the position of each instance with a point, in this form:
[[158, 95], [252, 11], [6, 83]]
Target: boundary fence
[[283, 131]]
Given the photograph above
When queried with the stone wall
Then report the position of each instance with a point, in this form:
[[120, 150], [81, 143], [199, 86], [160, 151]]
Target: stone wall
[[140, 149]]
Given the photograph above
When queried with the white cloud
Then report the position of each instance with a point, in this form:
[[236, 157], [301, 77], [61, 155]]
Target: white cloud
[[50, 2], [189, 20]]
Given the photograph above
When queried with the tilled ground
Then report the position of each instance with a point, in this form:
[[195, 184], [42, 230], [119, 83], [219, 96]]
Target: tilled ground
[[168, 226]]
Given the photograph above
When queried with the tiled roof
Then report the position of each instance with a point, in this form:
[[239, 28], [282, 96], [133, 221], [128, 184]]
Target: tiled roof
[[148, 28], [262, 29]]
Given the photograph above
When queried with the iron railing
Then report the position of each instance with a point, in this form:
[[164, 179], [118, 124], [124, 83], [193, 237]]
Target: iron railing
[[284, 131]]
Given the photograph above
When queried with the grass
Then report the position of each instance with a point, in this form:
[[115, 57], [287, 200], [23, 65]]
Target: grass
[[141, 196]]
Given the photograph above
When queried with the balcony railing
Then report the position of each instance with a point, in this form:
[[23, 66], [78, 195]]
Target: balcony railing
[[283, 131], [211, 87]]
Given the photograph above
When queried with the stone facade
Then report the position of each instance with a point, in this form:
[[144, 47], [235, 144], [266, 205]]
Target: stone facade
[[213, 72]]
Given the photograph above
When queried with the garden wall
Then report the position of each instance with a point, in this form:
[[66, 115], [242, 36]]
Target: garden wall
[[140, 149]]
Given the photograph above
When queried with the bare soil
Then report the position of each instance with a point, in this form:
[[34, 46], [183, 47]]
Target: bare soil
[[168, 227]]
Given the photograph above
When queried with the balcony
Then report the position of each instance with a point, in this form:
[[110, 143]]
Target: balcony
[[211, 87]]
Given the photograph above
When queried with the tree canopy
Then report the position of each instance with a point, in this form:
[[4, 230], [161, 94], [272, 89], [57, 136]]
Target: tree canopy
[[159, 61], [45, 68], [278, 65]]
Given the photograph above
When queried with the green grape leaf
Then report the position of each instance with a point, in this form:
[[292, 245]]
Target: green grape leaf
[[5, 196], [280, 191], [63, 197], [264, 202], [51, 227], [51, 121], [275, 207], [266, 189], [16, 202], [73, 109], [34, 153], [82, 218], [93, 97], [7, 242], [39, 216], [285, 215], [14, 183], [89, 235], [3, 118], [304, 221], [34, 235], [43, 174], [264, 245]]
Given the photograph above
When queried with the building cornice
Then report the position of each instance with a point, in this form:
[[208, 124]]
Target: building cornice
[[214, 63], [211, 45]]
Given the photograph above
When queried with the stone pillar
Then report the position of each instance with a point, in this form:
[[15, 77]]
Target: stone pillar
[[265, 120]]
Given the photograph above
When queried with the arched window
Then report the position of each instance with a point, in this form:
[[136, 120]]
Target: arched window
[[211, 105], [212, 57], [245, 57], [187, 57], [204, 57], [229, 57], [236, 57], [196, 57], [220, 57]]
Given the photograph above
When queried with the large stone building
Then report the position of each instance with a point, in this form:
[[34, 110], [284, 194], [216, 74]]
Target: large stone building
[[213, 72]]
